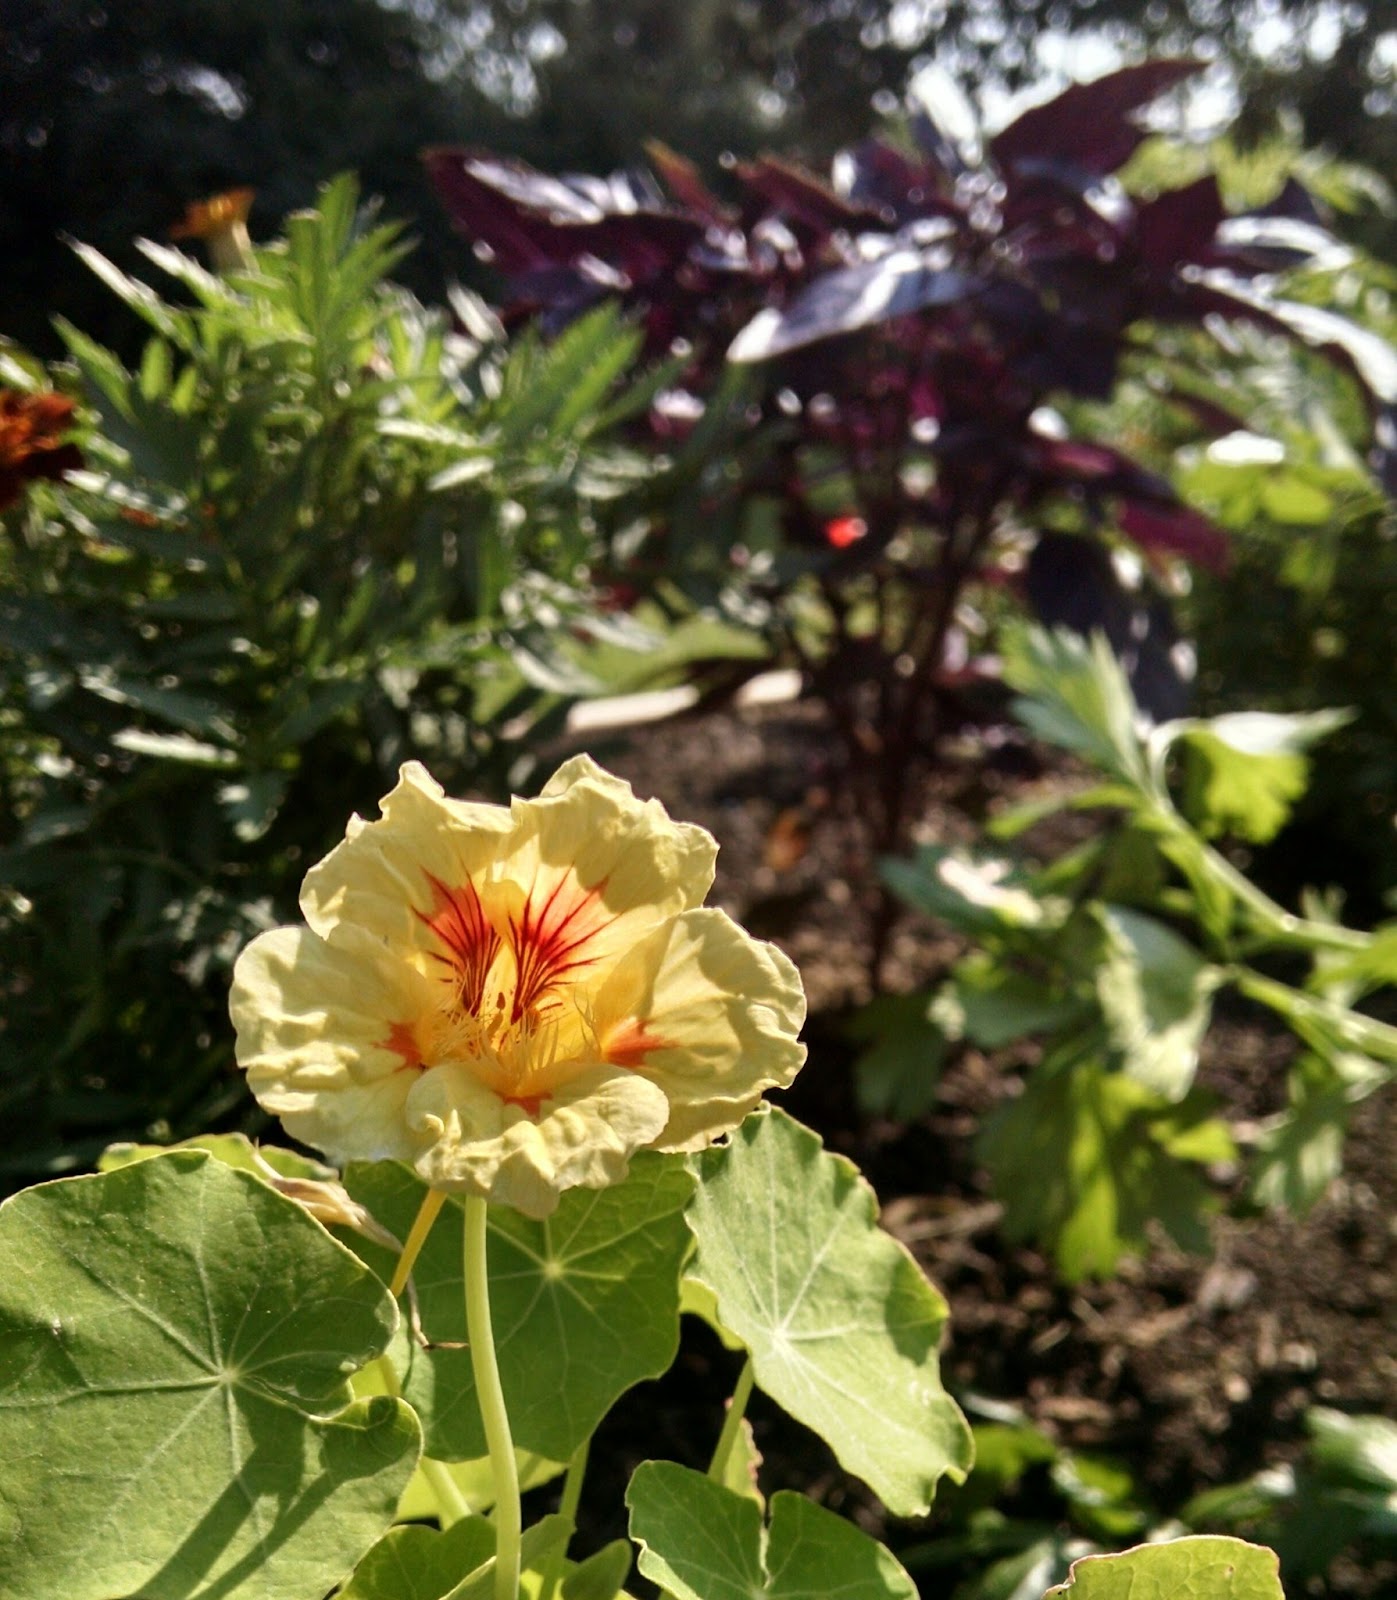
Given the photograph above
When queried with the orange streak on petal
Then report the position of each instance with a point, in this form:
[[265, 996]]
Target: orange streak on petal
[[403, 1042], [629, 1042], [527, 1103]]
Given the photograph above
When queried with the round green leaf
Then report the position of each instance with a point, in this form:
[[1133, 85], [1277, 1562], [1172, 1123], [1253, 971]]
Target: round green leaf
[[176, 1420], [417, 1563], [584, 1303], [1206, 1567], [842, 1326], [700, 1541]]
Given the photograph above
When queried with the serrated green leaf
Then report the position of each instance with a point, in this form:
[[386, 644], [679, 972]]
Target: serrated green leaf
[[1243, 772], [175, 1415], [1156, 994], [1202, 1567], [984, 897], [1301, 1153], [1075, 695], [584, 1303], [841, 1325], [897, 1072], [1085, 1159], [993, 1005], [700, 1541]]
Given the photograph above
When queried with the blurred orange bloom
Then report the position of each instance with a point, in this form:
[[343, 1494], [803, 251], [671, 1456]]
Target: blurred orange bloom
[[31, 440], [221, 222]]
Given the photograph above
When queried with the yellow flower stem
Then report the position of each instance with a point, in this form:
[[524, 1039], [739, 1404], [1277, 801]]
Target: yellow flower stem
[[451, 1503], [567, 1507], [503, 1467], [732, 1426], [432, 1203]]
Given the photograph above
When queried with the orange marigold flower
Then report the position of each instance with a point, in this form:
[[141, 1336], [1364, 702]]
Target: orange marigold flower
[[31, 440], [221, 222]]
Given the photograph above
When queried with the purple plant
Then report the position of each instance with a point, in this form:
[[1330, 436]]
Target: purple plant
[[912, 322]]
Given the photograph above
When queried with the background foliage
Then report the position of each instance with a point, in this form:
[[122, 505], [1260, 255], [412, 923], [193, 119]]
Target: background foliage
[[317, 532]]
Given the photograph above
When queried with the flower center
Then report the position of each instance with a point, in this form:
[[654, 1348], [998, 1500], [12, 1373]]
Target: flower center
[[513, 1010]]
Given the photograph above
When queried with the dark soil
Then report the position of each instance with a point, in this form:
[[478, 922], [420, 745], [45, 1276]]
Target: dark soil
[[1193, 1372]]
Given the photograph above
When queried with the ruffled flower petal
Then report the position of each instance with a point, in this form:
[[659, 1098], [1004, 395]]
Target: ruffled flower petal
[[325, 1036], [581, 1137], [708, 1014], [381, 876]]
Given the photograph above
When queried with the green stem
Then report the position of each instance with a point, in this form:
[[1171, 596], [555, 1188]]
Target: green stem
[[451, 1504], [732, 1426], [484, 1366], [567, 1507]]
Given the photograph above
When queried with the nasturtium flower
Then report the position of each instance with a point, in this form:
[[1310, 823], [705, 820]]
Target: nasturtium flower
[[514, 999]]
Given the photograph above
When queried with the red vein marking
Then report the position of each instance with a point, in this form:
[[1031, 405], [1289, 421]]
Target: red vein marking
[[544, 951], [458, 919]]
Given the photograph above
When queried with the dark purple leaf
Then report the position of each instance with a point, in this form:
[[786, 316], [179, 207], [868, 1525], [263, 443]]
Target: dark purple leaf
[[681, 177], [902, 282], [1176, 530], [1179, 226], [808, 204], [1091, 124], [1073, 583], [882, 181], [1277, 244]]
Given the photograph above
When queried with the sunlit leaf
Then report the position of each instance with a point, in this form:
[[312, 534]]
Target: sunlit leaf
[[700, 1541], [175, 1415], [1085, 1159], [1156, 995], [584, 1303], [1205, 1567], [841, 1325]]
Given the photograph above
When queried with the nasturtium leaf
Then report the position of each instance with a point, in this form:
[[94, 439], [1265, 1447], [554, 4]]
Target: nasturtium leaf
[[700, 1541], [584, 1303], [176, 1420], [417, 1563], [1086, 1158], [474, 1480], [541, 1541], [841, 1325], [1203, 1567], [232, 1149], [602, 1575], [1156, 994]]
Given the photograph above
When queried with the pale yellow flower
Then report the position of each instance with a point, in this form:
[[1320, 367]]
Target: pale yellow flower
[[514, 1000]]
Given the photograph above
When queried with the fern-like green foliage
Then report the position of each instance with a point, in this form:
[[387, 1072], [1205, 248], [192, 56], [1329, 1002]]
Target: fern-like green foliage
[[320, 529]]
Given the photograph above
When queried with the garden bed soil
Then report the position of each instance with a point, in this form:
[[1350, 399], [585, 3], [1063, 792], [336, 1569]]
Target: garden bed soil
[[1193, 1372]]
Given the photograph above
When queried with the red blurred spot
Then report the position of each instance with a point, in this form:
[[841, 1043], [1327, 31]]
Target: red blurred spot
[[844, 531]]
